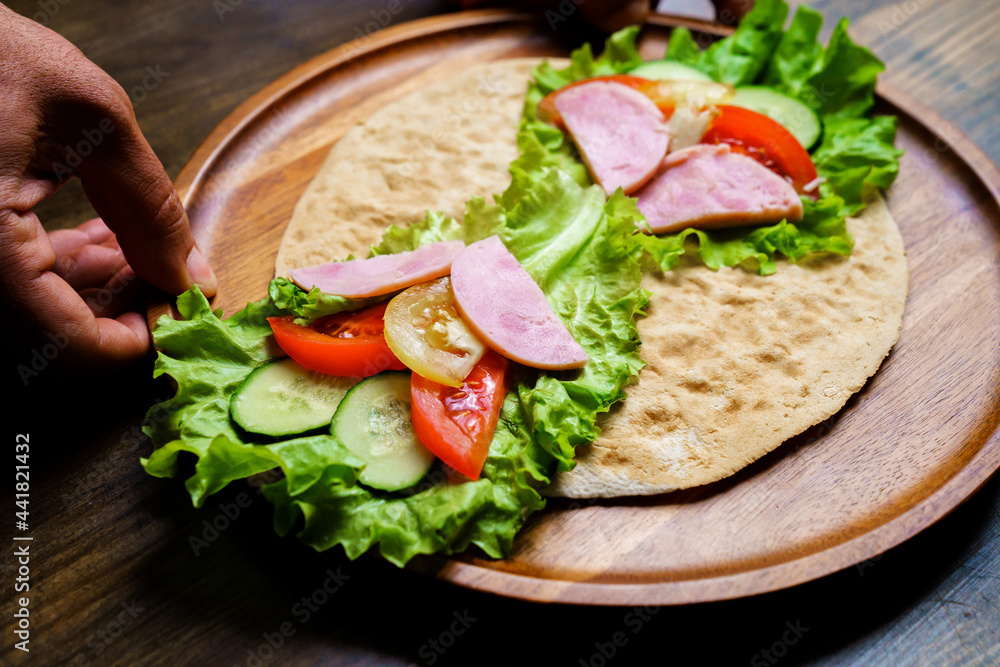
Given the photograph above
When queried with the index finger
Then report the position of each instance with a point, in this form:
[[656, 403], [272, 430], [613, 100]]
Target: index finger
[[92, 117], [130, 189]]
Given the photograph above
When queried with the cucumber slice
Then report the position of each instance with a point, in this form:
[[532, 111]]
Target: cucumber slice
[[373, 421], [668, 70], [284, 398], [797, 118]]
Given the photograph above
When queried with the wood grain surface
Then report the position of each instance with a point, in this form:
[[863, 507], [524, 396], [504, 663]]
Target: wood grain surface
[[119, 580], [807, 510]]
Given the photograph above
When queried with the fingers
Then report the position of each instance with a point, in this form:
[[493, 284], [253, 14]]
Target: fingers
[[90, 232], [131, 191], [729, 12], [89, 265], [612, 15], [89, 259], [88, 129], [52, 310], [608, 15], [60, 115], [116, 296], [87, 256]]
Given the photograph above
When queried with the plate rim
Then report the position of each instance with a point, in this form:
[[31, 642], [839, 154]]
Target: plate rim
[[962, 485]]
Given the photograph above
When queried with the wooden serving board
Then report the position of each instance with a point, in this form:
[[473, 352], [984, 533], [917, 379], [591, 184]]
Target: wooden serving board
[[918, 439]]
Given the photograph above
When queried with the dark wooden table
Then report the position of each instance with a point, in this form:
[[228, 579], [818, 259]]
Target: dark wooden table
[[125, 571]]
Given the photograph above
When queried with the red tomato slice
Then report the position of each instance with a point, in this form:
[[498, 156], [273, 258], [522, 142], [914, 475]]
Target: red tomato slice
[[547, 107], [763, 139], [457, 423], [348, 344]]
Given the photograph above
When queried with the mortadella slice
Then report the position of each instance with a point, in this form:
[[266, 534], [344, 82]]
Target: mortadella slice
[[620, 132], [710, 187], [381, 274], [506, 308]]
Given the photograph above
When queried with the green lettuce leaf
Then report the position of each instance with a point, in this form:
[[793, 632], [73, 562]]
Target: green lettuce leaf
[[583, 252], [855, 155], [619, 55], [837, 81], [796, 55], [822, 229], [740, 58], [209, 358]]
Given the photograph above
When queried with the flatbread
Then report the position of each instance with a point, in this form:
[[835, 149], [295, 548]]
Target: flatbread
[[737, 363], [429, 151]]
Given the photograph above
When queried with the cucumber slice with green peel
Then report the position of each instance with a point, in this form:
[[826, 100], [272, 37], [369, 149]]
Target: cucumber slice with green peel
[[373, 421], [795, 116], [285, 398], [668, 70]]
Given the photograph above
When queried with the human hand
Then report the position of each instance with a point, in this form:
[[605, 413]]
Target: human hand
[[611, 15], [63, 116], [608, 15]]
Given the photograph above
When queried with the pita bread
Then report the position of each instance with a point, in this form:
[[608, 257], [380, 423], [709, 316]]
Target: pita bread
[[429, 151], [737, 362]]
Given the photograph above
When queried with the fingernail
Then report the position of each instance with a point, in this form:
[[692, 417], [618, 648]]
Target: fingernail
[[201, 273]]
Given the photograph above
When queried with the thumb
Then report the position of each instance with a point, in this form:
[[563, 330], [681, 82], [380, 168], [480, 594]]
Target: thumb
[[130, 190]]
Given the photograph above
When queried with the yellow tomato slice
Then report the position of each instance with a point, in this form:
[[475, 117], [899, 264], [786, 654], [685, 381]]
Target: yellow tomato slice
[[695, 94], [423, 328]]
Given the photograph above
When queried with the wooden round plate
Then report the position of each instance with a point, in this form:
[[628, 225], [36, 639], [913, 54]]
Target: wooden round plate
[[916, 441]]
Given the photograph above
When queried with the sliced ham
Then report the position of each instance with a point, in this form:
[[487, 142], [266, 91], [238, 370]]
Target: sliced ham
[[620, 132], [710, 187], [507, 310], [381, 274]]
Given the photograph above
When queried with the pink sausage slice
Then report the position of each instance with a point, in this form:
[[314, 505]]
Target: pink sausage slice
[[381, 274], [709, 187], [507, 309], [621, 134]]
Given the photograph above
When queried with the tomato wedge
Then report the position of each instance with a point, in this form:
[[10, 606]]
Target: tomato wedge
[[425, 332], [457, 424], [763, 139], [547, 107], [349, 344]]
